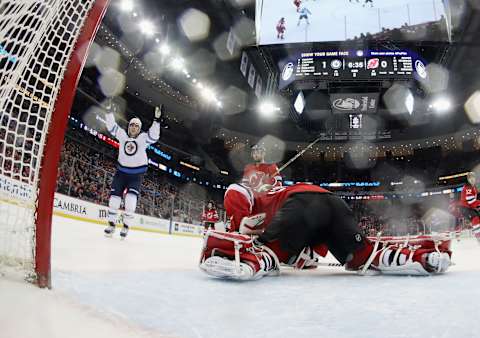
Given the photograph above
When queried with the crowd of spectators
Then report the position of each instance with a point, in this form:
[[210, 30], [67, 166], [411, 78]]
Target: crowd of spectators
[[430, 31], [404, 216], [417, 171]]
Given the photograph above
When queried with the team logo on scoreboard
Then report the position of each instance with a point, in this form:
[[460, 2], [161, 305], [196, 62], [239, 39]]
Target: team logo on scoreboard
[[421, 69], [287, 71], [346, 104], [130, 148], [336, 64], [373, 63]]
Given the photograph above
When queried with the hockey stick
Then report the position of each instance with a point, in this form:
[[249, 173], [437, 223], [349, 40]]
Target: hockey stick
[[295, 157], [328, 264]]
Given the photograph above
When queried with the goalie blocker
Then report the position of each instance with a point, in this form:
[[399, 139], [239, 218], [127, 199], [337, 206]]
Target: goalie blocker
[[300, 226]]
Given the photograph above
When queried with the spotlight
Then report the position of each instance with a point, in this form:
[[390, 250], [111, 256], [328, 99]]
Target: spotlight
[[441, 104], [409, 103], [177, 64], [164, 49], [208, 94], [126, 5], [359, 53], [267, 108], [299, 104], [147, 28]]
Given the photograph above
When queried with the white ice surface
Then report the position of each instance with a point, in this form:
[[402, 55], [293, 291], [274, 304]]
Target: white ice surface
[[149, 285]]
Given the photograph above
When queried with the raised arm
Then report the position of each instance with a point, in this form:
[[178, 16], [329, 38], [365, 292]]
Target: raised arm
[[154, 132], [112, 126]]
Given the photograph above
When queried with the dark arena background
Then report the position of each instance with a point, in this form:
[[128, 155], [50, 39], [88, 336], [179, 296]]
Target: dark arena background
[[379, 99]]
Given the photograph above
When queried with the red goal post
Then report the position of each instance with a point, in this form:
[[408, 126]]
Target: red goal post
[[44, 46]]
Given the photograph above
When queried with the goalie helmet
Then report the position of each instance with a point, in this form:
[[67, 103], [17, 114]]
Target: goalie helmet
[[134, 127], [258, 153], [471, 178]]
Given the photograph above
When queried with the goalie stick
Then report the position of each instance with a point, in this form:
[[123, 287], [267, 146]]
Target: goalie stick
[[295, 157]]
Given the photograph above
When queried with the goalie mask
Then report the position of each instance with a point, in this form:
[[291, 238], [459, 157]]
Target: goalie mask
[[258, 153], [471, 178], [134, 127]]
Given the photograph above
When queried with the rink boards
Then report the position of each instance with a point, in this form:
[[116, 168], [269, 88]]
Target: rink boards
[[16, 197]]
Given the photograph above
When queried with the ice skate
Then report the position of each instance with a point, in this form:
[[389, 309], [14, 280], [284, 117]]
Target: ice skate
[[110, 229], [124, 232]]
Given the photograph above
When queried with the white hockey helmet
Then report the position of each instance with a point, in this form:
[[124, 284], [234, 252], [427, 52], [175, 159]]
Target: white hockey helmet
[[134, 127]]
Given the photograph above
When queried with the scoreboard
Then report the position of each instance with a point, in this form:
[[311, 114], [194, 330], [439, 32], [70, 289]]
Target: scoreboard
[[348, 65]]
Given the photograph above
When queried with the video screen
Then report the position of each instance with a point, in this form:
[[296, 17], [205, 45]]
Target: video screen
[[300, 21]]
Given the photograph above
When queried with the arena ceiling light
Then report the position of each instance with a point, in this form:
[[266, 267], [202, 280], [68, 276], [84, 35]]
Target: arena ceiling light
[[441, 104], [208, 94], [147, 27], [267, 108], [299, 104], [177, 64], [409, 103], [126, 5], [164, 49]]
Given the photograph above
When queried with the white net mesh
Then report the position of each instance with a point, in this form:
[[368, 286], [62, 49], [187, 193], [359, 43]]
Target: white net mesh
[[37, 38]]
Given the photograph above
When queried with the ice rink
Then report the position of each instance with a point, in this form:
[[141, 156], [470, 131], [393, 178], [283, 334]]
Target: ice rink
[[149, 286]]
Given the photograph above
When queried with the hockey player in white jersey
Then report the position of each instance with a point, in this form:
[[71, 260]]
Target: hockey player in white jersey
[[132, 165], [304, 13]]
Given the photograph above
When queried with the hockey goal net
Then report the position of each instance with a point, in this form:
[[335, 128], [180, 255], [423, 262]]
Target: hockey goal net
[[43, 46]]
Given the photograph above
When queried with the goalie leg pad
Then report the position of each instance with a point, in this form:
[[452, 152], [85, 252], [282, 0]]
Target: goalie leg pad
[[221, 267], [234, 256], [476, 232], [396, 256]]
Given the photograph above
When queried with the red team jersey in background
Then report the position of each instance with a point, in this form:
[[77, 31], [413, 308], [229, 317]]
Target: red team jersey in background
[[239, 202], [210, 216], [468, 197], [256, 175]]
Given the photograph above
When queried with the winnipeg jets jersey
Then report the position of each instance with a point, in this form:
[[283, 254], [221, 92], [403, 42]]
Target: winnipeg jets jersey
[[132, 153], [304, 11]]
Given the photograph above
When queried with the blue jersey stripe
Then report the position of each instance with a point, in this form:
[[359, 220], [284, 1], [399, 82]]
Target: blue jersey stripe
[[136, 170]]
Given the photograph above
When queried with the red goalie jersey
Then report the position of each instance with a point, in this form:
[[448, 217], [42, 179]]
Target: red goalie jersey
[[468, 197], [210, 216], [257, 175], [240, 202]]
